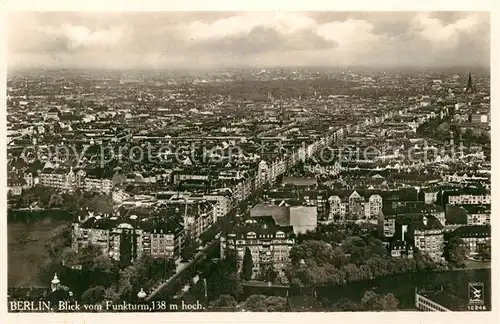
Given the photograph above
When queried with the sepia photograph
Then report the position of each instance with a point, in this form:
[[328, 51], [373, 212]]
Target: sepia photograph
[[248, 161]]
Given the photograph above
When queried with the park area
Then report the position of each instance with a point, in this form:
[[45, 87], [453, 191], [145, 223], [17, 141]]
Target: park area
[[28, 251]]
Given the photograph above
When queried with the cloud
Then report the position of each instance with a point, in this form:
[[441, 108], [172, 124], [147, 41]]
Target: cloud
[[441, 34], [201, 39], [263, 40], [284, 23], [33, 36], [81, 36], [350, 34]]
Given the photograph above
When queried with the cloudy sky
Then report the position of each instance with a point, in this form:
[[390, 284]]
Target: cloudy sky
[[226, 39]]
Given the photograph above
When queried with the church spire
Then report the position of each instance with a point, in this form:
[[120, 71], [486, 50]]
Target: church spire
[[470, 85], [283, 117]]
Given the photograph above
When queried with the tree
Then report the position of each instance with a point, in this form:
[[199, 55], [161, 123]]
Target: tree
[[102, 204], [87, 256], [268, 273], [296, 286], [55, 200], [469, 135], [222, 277], [209, 234], [230, 260], [261, 303], [190, 246], [254, 303], [455, 252], [423, 261], [316, 251], [61, 239], [484, 251], [199, 290], [43, 195], [224, 301], [94, 295], [247, 268], [163, 268], [372, 301], [345, 305], [126, 249], [389, 302], [275, 304], [68, 256], [356, 248], [82, 202], [104, 270]]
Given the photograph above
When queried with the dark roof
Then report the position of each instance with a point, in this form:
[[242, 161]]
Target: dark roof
[[473, 231], [455, 215], [99, 173], [53, 110], [17, 181], [413, 207], [432, 223], [398, 244], [281, 215], [168, 219], [477, 209], [263, 226], [166, 225], [467, 191]]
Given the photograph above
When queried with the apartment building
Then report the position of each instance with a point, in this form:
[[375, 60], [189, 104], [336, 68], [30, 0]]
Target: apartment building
[[469, 199], [429, 237], [478, 214], [59, 179], [355, 206], [222, 202], [67, 180], [162, 235], [474, 236], [389, 226], [338, 208], [324, 168], [99, 185], [269, 244], [263, 174]]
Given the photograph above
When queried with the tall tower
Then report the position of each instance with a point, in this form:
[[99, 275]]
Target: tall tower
[[470, 85], [282, 112]]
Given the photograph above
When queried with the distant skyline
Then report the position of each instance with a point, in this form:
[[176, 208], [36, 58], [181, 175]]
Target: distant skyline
[[170, 40]]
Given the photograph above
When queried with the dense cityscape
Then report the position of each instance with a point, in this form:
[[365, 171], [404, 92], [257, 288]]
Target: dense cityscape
[[214, 186], [256, 189]]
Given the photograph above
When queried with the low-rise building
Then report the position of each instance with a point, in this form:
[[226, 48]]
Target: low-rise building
[[401, 249], [439, 301]]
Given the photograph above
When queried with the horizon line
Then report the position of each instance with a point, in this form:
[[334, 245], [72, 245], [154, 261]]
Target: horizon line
[[263, 67]]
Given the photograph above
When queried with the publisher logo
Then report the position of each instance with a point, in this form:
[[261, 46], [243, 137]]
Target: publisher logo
[[476, 293]]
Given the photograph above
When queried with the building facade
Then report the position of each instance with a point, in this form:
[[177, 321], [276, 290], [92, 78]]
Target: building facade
[[429, 238], [269, 245]]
